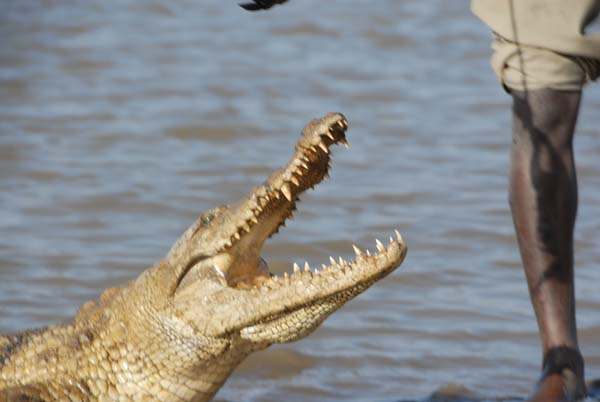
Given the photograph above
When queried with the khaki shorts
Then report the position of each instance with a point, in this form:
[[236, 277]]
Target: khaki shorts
[[542, 43]]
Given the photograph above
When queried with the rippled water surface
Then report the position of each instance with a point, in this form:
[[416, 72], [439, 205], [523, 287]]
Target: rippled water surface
[[121, 121]]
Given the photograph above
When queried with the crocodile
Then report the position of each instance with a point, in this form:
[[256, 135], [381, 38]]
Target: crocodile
[[178, 331]]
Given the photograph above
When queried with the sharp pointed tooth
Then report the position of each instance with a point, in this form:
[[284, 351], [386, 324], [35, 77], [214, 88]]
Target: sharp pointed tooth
[[356, 250], [304, 165], [330, 135], [391, 240], [324, 147], [277, 195], [341, 260], [380, 247], [254, 219], [237, 236], [299, 173], [345, 142], [331, 260], [306, 267], [285, 189], [327, 176], [368, 253], [399, 236], [247, 227], [296, 268], [317, 271], [295, 181], [324, 267]]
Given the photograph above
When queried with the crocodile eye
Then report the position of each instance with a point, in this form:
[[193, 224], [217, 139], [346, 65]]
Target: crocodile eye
[[206, 218]]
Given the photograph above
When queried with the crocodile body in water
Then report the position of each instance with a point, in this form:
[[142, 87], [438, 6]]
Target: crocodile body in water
[[178, 331]]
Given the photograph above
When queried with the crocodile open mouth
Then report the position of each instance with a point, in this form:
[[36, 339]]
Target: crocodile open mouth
[[231, 239], [267, 207]]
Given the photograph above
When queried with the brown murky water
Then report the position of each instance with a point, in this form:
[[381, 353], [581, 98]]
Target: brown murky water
[[121, 121]]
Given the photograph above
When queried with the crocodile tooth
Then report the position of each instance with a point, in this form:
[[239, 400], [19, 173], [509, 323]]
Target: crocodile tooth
[[247, 227], [254, 219], [391, 240], [398, 236], [317, 271], [357, 250], [299, 172], [304, 165], [237, 236], [345, 142], [341, 260], [306, 267], [277, 195], [368, 253], [323, 147], [295, 181], [330, 135], [296, 268], [332, 260], [285, 189], [380, 247], [323, 267]]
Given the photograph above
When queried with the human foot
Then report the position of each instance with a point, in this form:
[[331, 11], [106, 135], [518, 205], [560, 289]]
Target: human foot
[[562, 377]]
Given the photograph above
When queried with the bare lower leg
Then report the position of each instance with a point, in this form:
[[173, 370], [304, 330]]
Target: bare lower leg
[[543, 199]]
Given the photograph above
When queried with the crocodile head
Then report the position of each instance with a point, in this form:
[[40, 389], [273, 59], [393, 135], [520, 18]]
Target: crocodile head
[[224, 286]]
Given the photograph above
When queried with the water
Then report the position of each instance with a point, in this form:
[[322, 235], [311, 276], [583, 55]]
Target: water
[[121, 121]]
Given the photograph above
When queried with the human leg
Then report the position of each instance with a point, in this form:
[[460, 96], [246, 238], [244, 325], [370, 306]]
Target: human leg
[[543, 199]]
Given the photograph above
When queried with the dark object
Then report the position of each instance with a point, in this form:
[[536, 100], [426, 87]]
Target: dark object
[[260, 4], [562, 357]]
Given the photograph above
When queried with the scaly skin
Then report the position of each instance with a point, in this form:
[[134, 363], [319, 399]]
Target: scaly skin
[[178, 331]]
